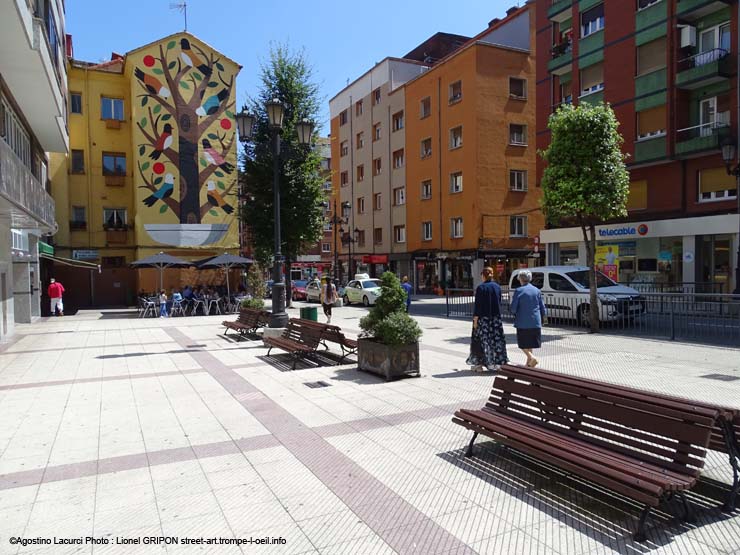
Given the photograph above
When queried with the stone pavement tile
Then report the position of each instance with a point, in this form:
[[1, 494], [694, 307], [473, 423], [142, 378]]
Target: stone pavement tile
[[371, 545], [239, 496], [114, 482], [234, 477], [438, 501], [180, 469], [424, 537], [568, 535], [206, 525], [514, 541], [296, 541], [60, 509], [126, 517], [177, 506], [223, 463], [309, 505], [74, 526], [269, 455], [334, 528], [128, 549], [473, 524], [182, 485], [139, 494], [722, 535], [13, 520], [16, 497], [248, 519], [57, 550]]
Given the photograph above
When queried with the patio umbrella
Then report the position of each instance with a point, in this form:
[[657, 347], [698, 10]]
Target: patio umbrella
[[161, 261], [226, 261]]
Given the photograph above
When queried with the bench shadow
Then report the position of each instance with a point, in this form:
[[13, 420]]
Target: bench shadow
[[284, 361], [602, 515], [357, 376]]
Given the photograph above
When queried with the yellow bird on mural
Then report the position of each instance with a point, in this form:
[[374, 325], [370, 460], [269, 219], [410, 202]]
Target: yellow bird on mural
[[216, 200]]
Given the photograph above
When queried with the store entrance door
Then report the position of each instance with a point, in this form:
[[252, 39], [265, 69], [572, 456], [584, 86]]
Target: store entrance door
[[715, 263]]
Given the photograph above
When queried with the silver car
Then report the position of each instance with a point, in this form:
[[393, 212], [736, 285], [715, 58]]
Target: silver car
[[313, 291]]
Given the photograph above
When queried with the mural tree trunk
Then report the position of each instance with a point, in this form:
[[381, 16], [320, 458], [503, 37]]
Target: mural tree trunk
[[189, 178]]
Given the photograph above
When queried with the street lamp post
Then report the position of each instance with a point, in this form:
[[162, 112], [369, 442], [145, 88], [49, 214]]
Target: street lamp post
[[304, 129], [335, 221], [729, 149]]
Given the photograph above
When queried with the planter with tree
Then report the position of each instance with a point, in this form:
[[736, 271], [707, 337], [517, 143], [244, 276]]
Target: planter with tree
[[389, 344]]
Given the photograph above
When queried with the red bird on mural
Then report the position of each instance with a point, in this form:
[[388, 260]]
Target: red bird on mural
[[164, 142], [216, 200], [152, 84], [210, 106], [190, 58], [214, 158]]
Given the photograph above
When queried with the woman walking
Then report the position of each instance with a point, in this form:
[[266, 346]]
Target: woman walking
[[328, 298], [488, 343], [528, 310]]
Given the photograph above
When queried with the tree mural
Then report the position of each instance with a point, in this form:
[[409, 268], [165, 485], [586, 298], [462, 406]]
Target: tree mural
[[188, 131]]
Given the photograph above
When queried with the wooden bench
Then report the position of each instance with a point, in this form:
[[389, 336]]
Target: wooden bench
[[248, 321], [645, 452], [333, 334], [298, 339]]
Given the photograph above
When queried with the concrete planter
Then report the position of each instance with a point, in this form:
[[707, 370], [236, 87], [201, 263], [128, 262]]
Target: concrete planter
[[391, 362]]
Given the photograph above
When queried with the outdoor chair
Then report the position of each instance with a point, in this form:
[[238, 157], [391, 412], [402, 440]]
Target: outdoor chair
[[177, 308], [196, 304], [147, 307], [214, 303]]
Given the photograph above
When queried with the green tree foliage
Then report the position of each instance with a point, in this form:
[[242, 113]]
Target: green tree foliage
[[288, 77], [255, 282], [585, 181], [387, 320]]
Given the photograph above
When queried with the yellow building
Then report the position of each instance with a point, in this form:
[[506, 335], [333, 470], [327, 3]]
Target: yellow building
[[151, 167]]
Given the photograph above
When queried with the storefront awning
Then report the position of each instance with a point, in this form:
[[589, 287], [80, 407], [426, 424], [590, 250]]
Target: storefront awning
[[69, 261]]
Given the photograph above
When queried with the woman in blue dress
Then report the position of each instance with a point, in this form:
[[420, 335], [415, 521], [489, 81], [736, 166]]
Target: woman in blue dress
[[488, 343]]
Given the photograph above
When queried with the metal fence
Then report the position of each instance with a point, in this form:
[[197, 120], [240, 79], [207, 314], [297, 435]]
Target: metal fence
[[699, 317]]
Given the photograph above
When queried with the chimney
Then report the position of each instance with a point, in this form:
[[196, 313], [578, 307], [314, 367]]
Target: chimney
[[69, 49], [115, 56], [511, 10], [494, 21]]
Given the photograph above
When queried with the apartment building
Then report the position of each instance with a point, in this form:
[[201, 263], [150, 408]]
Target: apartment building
[[668, 68], [33, 121]]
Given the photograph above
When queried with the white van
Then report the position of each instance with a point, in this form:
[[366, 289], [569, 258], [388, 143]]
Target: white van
[[565, 291]]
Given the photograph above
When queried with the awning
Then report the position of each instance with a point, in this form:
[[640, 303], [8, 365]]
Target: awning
[[69, 261]]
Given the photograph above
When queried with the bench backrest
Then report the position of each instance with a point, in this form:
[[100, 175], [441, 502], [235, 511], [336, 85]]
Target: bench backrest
[[673, 437], [328, 332], [302, 333]]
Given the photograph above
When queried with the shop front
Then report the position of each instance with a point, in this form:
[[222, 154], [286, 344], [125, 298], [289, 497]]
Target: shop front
[[457, 270], [374, 264], [427, 271], [505, 262]]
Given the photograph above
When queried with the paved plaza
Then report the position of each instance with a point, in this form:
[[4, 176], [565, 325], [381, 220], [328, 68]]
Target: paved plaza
[[123, 429]]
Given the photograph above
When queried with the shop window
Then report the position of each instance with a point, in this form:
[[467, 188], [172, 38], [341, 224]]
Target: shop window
[[651, 123], [651, 56], [426, 189], [398, 121], [425, 108], [426, 231], [637, 199], [78, 161], [75, 103], [592, 79], [592, 20], [715, 184], [426, 148], [517, 88], [456, 137]]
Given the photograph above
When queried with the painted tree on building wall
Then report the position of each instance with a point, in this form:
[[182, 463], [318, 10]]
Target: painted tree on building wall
[[585, 181], [188, 122]]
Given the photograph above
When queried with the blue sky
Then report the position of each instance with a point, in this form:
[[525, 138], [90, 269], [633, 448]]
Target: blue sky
[[243, 30]]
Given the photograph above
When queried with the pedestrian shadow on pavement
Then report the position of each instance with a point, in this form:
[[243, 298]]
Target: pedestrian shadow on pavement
[[510, 339], [602, 516]]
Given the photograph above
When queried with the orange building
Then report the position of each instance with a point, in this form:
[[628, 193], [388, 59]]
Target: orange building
[[470, 167]]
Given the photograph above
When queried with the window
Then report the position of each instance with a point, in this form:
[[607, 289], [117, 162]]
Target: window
[[361, 205], [325, 247], [376, 132], [360, 172], [517, 88], [651, 123], [78, 161], [399, 233], [378, 235], [113, 261], [111, 108], [376, 96], [114, 164], [592, 79], [455, 91], [398, 121], [518, 180], [426, 107], [642, 4], [518, 226], [456, 137], [114, 217], [398, 159], [344, 179], [327, 226], [592, 20], [426, 231], [79, 216], [715, 184], [399, 196], [344, 148], [426, 148], [717, 37], [637, 199], [651, 56], [15, 134], [360, 140], [327, 186], [517, 134], [560, 283], [378, 201], [426, 189], [358, 108], [75, 103], [343, 117], [360, 238], [456, 182], [456, 228], [377, 166]]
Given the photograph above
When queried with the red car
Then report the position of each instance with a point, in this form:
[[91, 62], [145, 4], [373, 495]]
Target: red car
[[298, 290]]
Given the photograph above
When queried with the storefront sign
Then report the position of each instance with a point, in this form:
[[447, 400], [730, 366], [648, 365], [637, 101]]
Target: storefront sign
[[375, 259], [500, 268], [629, 230], [91, 254], [607, 260], [536, 244], [688, 257]]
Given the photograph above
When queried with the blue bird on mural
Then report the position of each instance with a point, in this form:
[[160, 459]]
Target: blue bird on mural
[[163, 192], [210, 106], [190, 58]]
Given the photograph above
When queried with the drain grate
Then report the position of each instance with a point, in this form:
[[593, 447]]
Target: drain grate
[[316, 385], [721, 377]]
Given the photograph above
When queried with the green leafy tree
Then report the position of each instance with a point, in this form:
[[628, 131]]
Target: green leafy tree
[[288, 77], [387, 320], [255, 282], [585, 181]]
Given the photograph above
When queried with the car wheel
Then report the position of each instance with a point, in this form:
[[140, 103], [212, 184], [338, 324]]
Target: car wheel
[[345, 300], [365, 301], [584, 315]]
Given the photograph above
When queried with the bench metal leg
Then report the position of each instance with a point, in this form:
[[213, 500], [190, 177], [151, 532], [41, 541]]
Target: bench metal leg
[[640, 534], [268, 351], [689, 515], [469, 451], [733, 451]]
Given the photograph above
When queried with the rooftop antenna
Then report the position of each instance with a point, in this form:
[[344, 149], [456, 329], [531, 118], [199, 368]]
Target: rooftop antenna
[[182, 7]]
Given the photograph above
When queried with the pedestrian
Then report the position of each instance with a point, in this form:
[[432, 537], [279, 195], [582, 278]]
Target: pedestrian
[[408, 288], [56, 290], [529, 311], [162, 304], [328, 298], [488, 342]]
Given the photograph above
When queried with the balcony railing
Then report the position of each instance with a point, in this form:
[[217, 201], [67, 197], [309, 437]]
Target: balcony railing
[[692, 10], [33, 207], [707, 136], [704, 68], [560, 10], [562, 57]]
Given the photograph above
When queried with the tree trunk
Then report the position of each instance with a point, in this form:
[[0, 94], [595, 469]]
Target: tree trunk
[[189, 180], [589, 234]]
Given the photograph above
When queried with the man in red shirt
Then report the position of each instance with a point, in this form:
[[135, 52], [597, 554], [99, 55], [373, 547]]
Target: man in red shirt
[[56, 290]]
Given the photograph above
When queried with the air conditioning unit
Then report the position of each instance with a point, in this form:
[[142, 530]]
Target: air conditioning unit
[[688, 36]]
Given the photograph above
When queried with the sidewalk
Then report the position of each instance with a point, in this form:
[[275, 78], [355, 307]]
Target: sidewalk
[[122, 429]]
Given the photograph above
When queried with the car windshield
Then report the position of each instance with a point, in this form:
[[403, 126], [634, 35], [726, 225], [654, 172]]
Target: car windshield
[[300, 283], [581, 279], [370, 283]]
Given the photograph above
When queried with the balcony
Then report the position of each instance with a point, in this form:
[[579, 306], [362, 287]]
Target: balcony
[[22, 196], [560, 10], [649, 149], [704, 69], [689, 11], [701, 138], [650, 83], [650, 23], [591, 49], [562, 59]]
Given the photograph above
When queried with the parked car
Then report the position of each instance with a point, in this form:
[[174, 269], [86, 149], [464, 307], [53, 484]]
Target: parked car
[[313, 291], [565, 291], [298, 289], [365, 291], [268, 289]]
